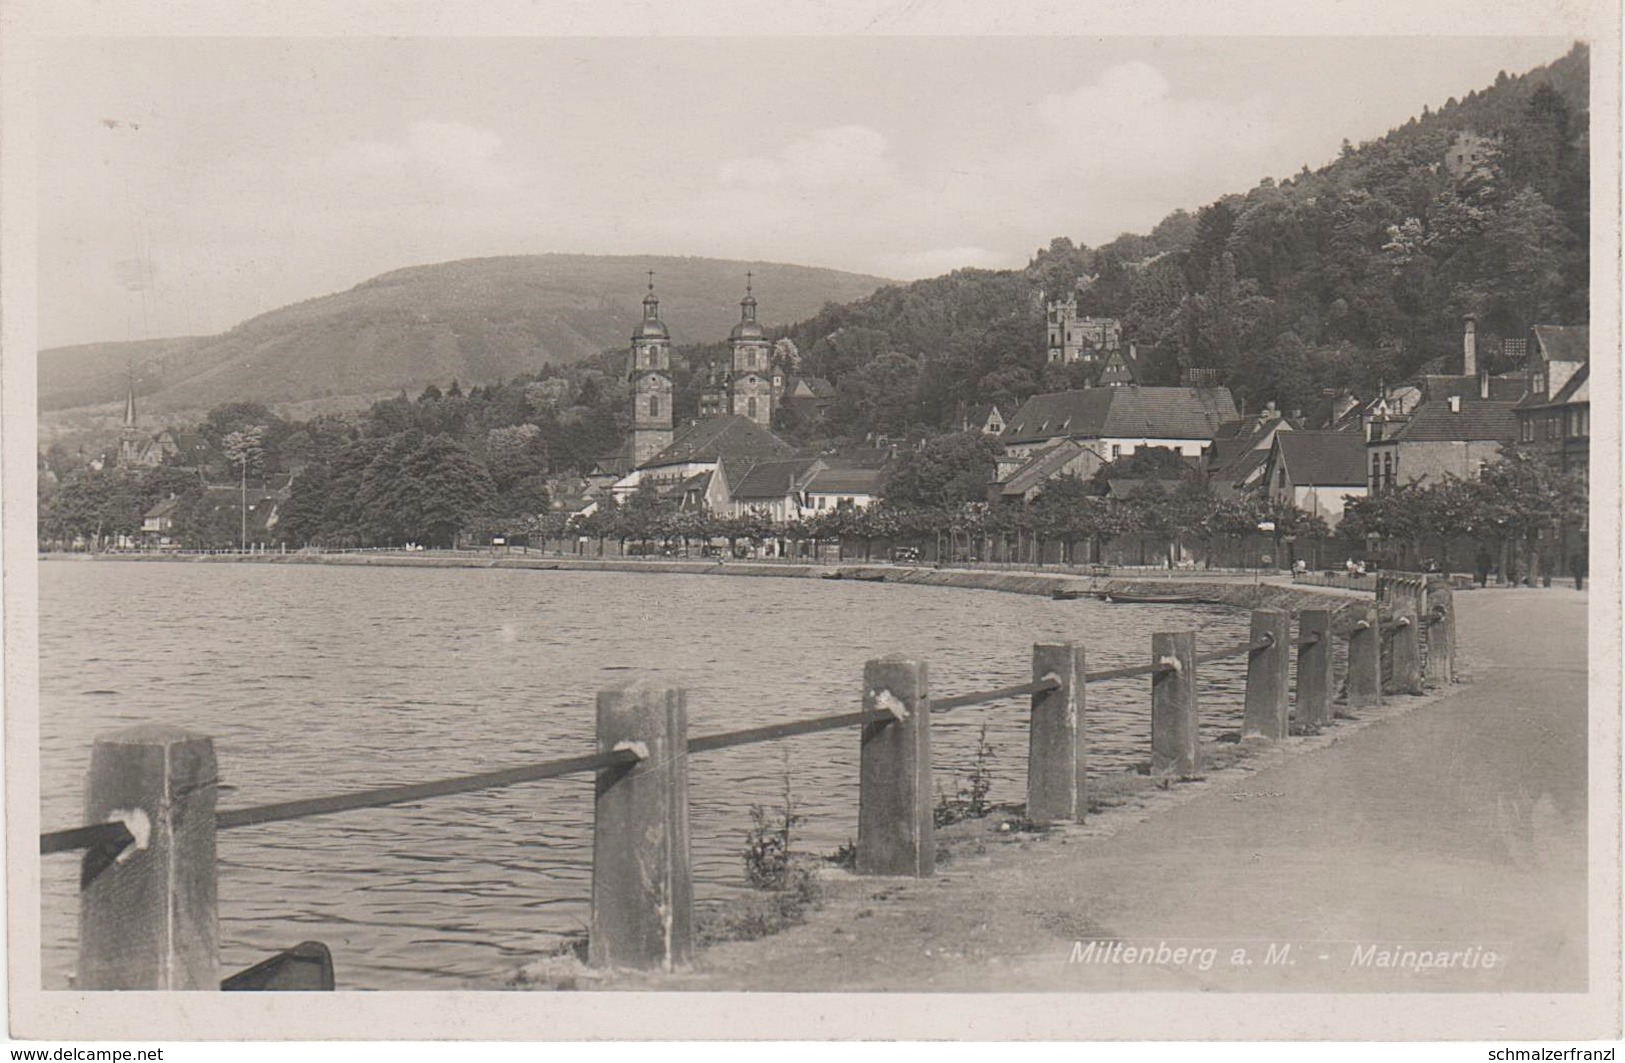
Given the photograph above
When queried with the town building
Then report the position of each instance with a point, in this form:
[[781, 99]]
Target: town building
[[1235, 461], [1115, 422], [1022, 481], [1105, 424], [806, 396], [1469, 155], [773, 489], [1119, 368], [987, 419], [140, 449], [844, 487], [1317, 471], [1454, 436], [687, 467], [1554, 418]]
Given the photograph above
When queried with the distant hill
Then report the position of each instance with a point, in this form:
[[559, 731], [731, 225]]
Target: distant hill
[[475, 320]]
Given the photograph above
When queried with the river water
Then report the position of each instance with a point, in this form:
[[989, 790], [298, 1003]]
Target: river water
[[321, 679]]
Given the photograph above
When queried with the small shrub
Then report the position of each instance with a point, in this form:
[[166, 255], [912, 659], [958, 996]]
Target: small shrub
[[786, 887], [845, 857], [970, 802], [769, 863]]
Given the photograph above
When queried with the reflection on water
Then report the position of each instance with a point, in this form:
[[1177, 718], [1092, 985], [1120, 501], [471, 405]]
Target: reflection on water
[[320, 679]]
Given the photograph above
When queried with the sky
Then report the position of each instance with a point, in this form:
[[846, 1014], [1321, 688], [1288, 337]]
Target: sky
[[188, 184]]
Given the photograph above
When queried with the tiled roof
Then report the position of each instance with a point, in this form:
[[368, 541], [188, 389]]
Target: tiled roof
[[721, 437], [848, 481], [1504, 387], [1323, 458], [164, 508], [1235, 442], [1040, 468], [774, 479], [1577, 389], [1125, 412], [1435, 422], [1563, 343]]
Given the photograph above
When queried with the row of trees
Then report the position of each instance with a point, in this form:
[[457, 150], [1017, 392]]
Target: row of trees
[[1520, 504], [1068, 515]]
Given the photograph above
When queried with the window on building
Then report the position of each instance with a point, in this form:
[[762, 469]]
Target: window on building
[[1388, 470], [1376, 472], [1527, 429], [1117, 451], [1280, 477], [1582, 422], [750, 408], [654, 405], [1551, 427]]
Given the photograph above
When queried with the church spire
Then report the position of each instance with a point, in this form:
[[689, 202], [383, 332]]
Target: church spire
[[747, 305], [129, 396]]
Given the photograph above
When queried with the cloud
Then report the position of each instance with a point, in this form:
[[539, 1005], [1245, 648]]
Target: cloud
[[429, 160], [851, 157], [1129, 121]]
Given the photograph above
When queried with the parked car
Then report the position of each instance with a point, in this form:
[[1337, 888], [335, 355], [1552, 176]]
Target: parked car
[[906, 554]]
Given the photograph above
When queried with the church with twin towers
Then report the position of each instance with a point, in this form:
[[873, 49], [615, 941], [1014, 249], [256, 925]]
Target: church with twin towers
[[746, 389]]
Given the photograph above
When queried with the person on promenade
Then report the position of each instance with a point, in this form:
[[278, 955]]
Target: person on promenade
[[1577, 568]]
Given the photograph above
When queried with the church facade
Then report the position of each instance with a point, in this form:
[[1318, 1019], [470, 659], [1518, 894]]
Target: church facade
[[746, 389]]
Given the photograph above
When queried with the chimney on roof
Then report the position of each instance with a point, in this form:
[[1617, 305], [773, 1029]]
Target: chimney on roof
[[1455, 404], [1469, 346]]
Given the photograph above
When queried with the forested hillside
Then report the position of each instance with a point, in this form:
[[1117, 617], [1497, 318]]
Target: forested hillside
[[1343, 275]]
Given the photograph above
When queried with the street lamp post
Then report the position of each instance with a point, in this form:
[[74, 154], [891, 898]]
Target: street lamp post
[[1265, 527]]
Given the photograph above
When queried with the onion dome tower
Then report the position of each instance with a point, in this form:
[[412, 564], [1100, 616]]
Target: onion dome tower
[[650, 376], [751, 385]]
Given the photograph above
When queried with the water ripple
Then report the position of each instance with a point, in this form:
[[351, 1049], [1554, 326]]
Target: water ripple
[[316, 680]]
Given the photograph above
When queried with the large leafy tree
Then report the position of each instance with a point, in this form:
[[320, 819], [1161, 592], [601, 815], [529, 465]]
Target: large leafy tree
[[946, 473]]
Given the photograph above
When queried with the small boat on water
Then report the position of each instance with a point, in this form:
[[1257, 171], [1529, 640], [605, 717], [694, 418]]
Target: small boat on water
[[1159, 599], [1065, 594], [867, 577]]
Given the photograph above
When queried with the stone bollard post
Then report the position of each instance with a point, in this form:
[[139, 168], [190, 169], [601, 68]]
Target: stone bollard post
[[1055, 751], [1365, 661], [1267, 700], [1314, 707], [1406, 651], [1441, 635], [148, 914], [642, 886], [1173, 704], [896, 834]]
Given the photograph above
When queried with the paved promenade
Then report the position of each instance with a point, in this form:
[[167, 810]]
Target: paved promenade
[[1441, 848]]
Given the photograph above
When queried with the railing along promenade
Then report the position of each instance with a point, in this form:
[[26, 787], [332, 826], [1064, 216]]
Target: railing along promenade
[[148, 882]]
